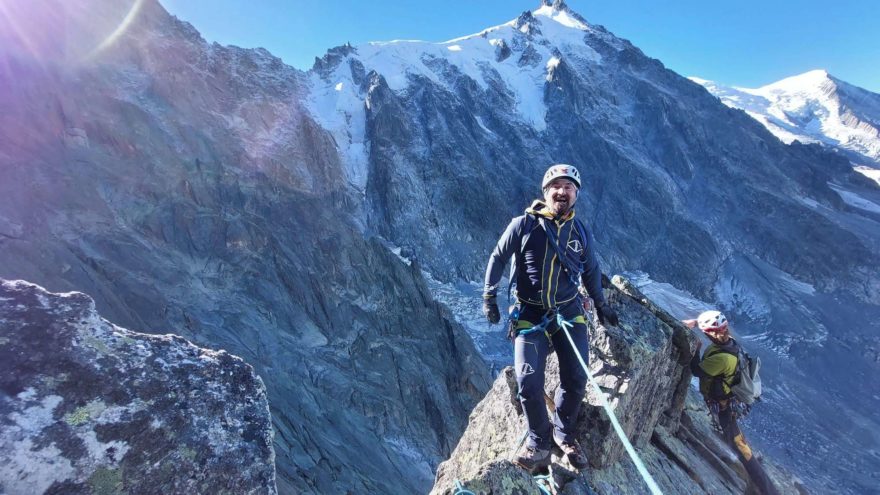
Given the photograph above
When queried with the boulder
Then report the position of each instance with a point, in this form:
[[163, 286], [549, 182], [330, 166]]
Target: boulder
[[89, 407]]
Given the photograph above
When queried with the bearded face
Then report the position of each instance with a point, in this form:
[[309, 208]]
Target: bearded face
[[719, 336], [560, 196]]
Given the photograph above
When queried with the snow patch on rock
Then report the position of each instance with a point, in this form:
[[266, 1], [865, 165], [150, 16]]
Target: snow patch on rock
[[855, 200], [869, 172], [340, 108]]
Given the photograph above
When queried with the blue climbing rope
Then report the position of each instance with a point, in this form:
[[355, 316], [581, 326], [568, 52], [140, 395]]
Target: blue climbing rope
[[548, 479], [521, 441], [640, 466], [460, 490]]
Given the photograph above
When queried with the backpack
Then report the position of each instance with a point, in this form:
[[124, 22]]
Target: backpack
[[746, 383]]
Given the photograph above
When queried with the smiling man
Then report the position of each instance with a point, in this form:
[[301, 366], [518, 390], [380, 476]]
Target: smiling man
[[553, 253]]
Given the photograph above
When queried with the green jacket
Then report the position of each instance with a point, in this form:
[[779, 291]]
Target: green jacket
[[716, 369]]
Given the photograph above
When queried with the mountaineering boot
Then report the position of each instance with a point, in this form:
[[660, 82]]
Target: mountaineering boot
[[533, 459], [573, 452]]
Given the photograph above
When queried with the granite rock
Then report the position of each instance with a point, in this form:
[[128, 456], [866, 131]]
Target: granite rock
[[89, 407]]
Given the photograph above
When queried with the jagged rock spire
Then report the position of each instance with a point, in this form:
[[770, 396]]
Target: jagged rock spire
[[332, 58], [524, 18], [527, 23], [556, 4], [561, 6]]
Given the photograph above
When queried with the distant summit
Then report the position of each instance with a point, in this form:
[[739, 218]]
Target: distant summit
[[800, 82], [556, 5], [814, 107]]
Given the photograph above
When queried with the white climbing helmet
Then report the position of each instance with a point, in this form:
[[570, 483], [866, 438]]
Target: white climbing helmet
[[712, 322], [561, 170]]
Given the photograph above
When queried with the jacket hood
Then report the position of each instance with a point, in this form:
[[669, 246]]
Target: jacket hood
[[539, 208]]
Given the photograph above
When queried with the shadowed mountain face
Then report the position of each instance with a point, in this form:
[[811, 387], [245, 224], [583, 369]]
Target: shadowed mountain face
[[217, 190], [182, 185]]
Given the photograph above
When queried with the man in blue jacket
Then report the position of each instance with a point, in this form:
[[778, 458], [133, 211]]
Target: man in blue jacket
[[553, 255]]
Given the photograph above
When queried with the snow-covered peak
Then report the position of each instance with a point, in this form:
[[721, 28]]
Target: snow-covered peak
[[520, 55], [558, 11], [813, 107], [806, 82]]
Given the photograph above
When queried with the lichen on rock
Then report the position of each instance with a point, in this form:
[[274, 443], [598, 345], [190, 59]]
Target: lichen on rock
[[88, 407]]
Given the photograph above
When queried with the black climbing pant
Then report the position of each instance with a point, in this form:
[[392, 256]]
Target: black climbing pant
[[735, 438], [530, 356]]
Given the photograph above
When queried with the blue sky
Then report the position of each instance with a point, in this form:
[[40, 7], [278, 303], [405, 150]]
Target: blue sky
[[749, 43]]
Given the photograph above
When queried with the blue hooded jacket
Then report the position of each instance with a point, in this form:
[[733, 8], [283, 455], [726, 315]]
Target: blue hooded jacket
[[542, 279]]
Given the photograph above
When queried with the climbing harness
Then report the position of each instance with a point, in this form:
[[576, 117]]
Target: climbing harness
[[512, 320], [540, 327], [740, 409], [640, 466]]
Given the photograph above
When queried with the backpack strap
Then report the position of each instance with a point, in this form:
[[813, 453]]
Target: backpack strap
[[573, 272], [729, 380], [582, 231]]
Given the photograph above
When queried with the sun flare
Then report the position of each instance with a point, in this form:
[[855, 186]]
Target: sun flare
[[73, 31]]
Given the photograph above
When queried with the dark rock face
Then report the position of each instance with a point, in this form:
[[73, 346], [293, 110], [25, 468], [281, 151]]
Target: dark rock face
[[184, 187], [89, 407], [641, 366]]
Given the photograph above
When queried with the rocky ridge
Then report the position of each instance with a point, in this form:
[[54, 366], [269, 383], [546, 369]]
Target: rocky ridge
[[676, 185], [642, 367]]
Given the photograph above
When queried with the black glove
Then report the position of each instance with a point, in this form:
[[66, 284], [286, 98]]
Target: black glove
[[490, 309], [606, 314]]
